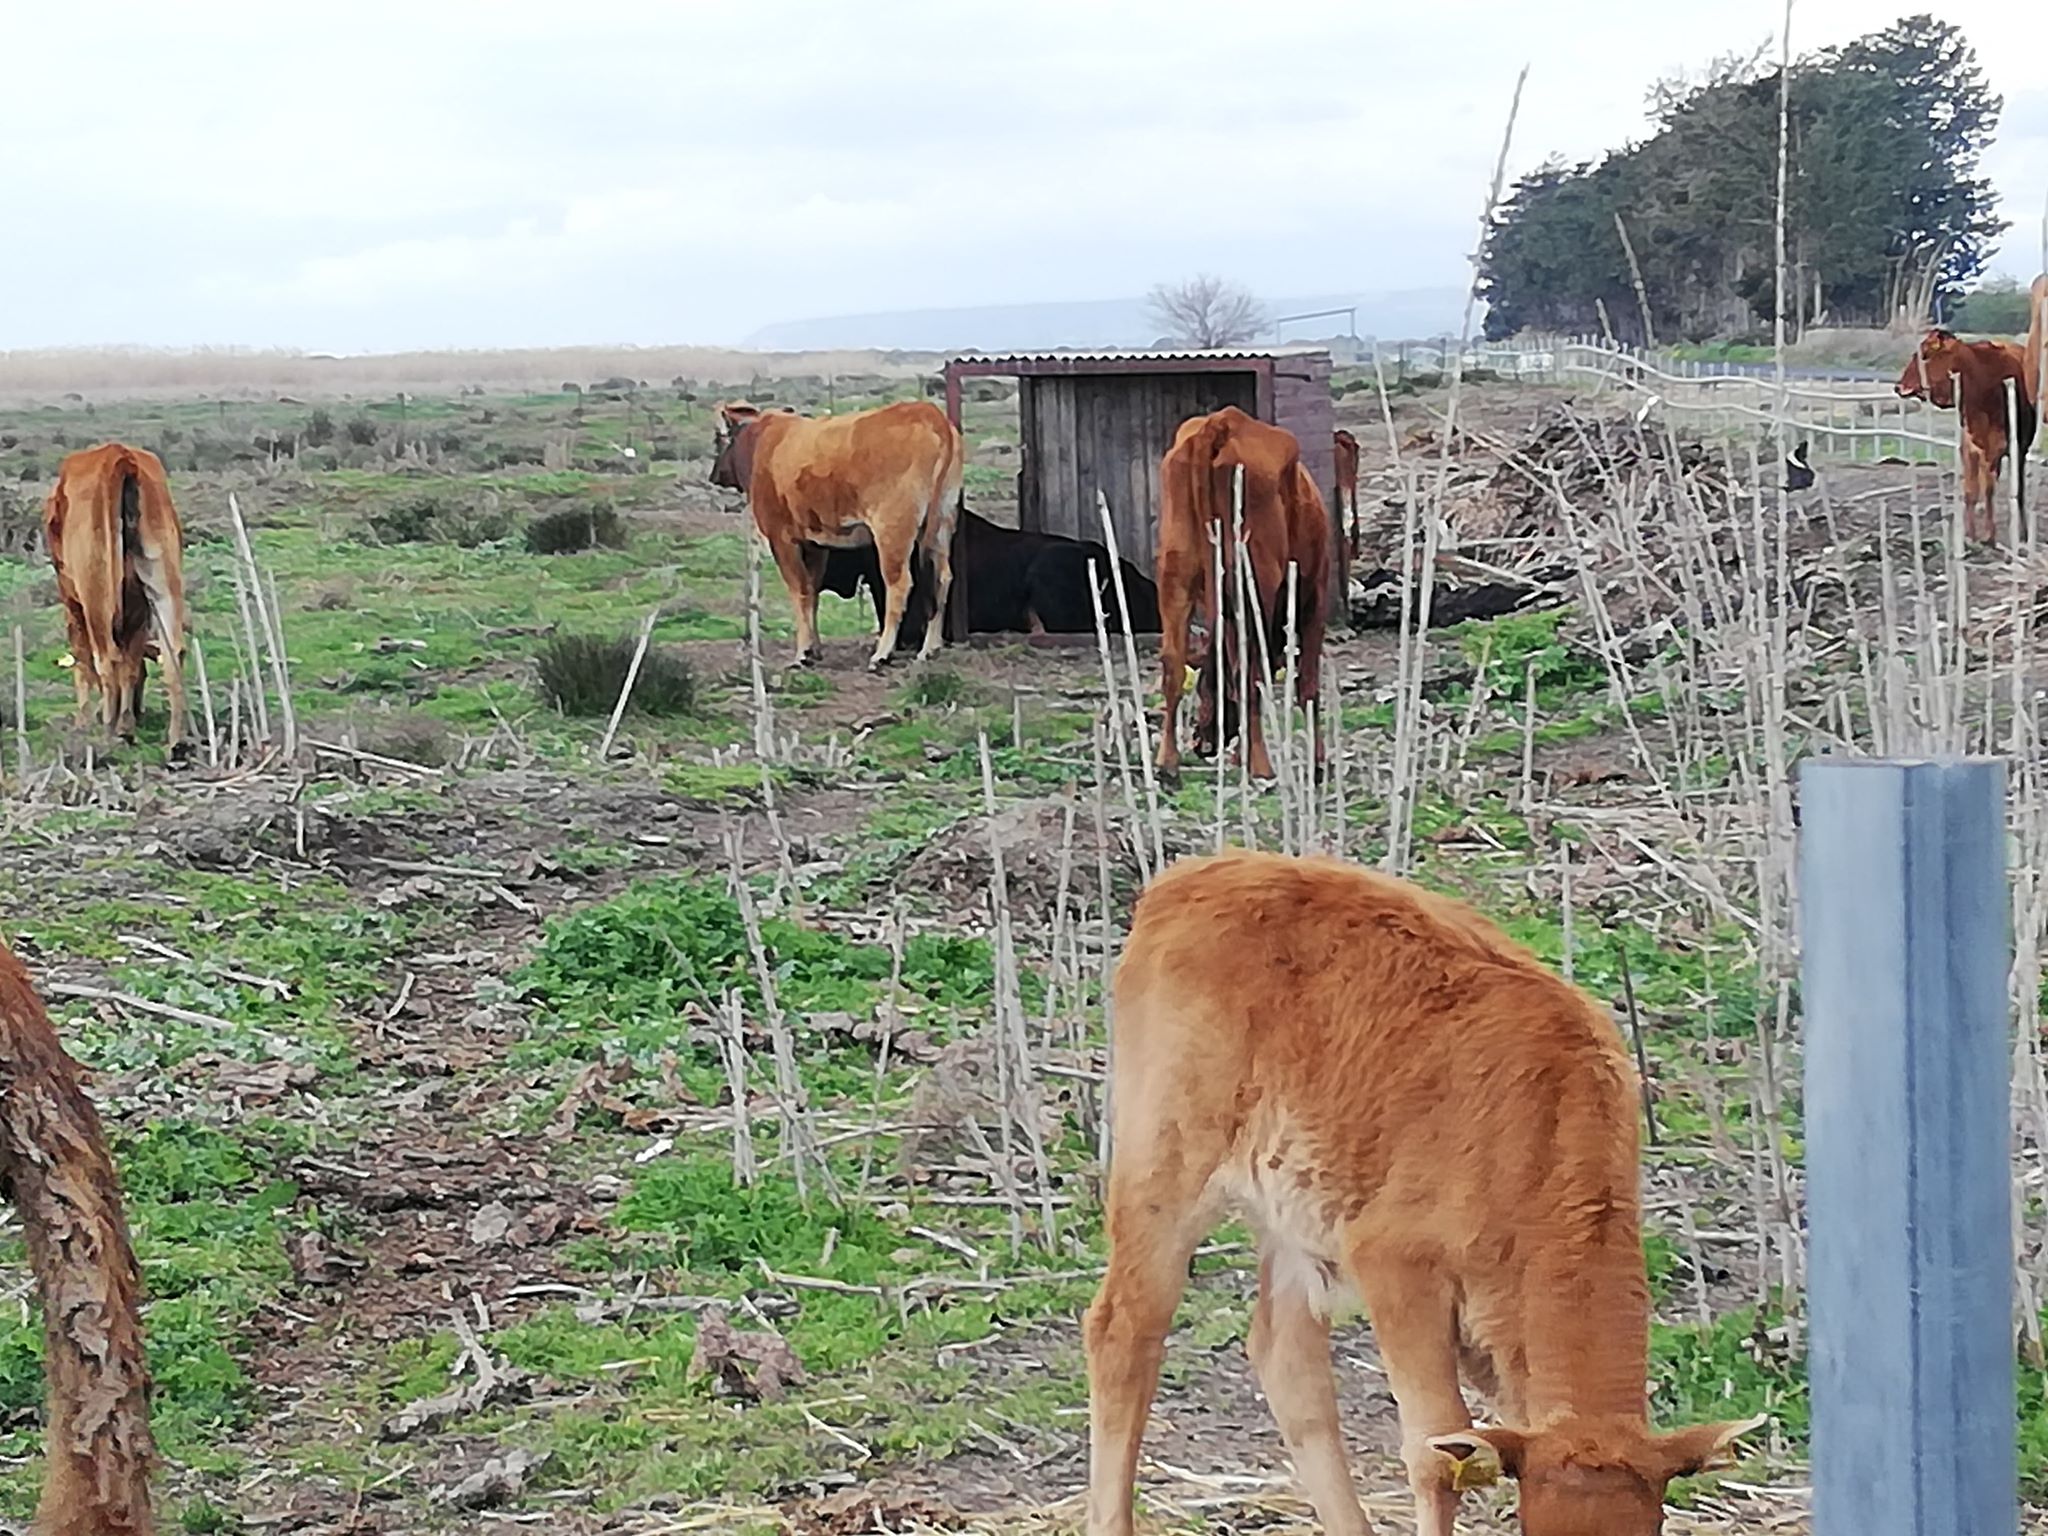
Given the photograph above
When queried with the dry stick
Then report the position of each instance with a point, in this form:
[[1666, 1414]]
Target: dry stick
[[1214, 668], [1113, 703], [892, 1015], [796, 1137], [1635, 1030], [1241, 560], [1636, 276], [611, 727], [206, 704], [744, 1167], [764, 711], [1402, 804], [257, 619], [1529, 745], [1289, 687], [21, 758], [250, 660], [1123, 608], [785, 863], [1059, 912], [1564, 897], [1106, 952], [1340, 808], [280, 666], [1022, 1101]]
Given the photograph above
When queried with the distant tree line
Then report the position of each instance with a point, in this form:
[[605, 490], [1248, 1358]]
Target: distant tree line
[[1887, 213]]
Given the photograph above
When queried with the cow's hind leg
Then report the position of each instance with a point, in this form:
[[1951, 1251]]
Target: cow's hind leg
[[938, 549], [167, 621], [897, 581], [1290, 1349]]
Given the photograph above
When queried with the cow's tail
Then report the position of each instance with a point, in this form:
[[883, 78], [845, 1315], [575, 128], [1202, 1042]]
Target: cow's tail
[[152, 543]]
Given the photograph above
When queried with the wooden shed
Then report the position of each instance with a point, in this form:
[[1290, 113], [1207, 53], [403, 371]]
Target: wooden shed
[[1101, 421]]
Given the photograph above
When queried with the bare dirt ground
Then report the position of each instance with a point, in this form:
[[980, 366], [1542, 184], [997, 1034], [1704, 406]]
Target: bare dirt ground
[[456, 1118]]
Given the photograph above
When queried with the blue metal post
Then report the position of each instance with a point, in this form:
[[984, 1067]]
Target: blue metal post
[[1908, 1148]]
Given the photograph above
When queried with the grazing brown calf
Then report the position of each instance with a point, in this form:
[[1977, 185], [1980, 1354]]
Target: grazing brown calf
[[1284, 521], [888, 477], [54, 1162], [1970, 378], [114, 538], [1398, 1099]]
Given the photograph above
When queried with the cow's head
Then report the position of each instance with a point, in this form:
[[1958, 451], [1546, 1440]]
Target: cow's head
[[1930, 373], [1586, 1479], [727, 469]]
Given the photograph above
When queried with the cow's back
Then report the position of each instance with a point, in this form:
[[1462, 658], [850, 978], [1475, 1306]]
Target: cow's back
[[1405, 1072], [823, 474]]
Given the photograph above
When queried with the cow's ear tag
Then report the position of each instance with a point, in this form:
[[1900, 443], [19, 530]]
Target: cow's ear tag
[[1192, 679], [1479, 1470], [67, 660]]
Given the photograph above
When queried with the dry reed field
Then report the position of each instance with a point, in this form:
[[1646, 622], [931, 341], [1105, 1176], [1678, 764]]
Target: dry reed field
[[140, 373], [684, 1114]]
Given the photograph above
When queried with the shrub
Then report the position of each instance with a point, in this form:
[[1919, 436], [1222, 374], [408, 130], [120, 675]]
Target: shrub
[[21, 524], [319, 429], [570, 529], [582, 675], [471, 526], [430, 518], [407, 735], [414, 520], [935, 688], [361, 430]]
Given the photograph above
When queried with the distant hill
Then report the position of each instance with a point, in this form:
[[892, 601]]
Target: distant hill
[[1406, 314]]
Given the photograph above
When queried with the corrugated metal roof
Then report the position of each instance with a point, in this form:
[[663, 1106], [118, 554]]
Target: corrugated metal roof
[[1116, 356]]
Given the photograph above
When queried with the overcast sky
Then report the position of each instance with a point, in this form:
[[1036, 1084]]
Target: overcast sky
[[377, 175]]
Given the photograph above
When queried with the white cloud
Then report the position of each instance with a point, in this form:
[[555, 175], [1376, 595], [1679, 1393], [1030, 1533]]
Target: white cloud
[[504, 171]]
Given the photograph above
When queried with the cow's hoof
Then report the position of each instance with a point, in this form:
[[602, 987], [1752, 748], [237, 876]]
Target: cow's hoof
[[876, 663], [178, 752], [804, 658], [1169, 777]]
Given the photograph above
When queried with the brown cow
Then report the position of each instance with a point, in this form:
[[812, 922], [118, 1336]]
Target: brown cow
[[889, 477], [1284, 521], [57, 1171], [1970, 377], [1347, 490], [114, 538], [1403, 1102]]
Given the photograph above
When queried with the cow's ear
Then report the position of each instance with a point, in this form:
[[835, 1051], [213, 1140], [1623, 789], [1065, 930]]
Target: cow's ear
[[1476, 1458], [1694, 1449]]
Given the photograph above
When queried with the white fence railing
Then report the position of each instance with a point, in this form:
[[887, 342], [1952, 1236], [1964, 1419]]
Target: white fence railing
[[1853, 419], [1857, 419]]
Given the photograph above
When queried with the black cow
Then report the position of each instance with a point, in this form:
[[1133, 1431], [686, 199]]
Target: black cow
[[1017, 582]]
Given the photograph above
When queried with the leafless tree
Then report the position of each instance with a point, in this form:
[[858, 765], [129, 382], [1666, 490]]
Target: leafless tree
[[1206, 311]]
